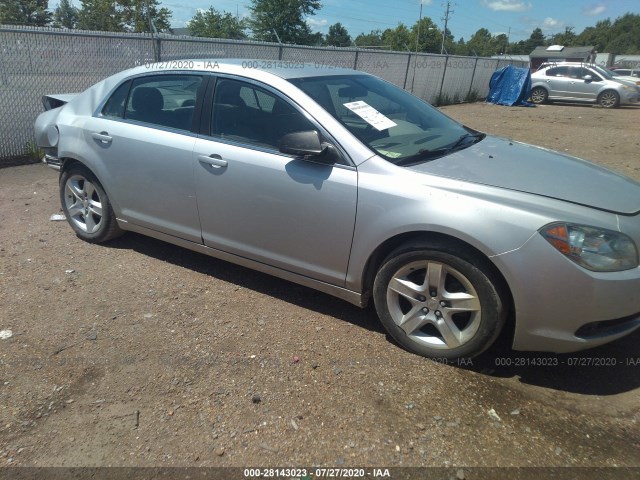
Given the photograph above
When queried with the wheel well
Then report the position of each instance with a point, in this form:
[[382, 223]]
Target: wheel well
[[67, 163], [382, 252], [608, 90]]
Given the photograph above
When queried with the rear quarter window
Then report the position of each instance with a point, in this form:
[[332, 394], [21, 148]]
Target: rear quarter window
[[115, 105]]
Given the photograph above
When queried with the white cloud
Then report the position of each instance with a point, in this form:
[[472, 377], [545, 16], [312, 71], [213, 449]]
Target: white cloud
[[551, 24], [426, 2], [317, 22], [507, 5], [593, 10]]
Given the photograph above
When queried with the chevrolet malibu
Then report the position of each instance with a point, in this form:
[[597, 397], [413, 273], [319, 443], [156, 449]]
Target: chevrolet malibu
[[342, 182]]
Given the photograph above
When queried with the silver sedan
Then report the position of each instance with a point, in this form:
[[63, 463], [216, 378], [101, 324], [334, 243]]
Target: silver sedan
[[342, 182]]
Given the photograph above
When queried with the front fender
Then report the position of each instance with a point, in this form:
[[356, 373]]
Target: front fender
[[394, 201]]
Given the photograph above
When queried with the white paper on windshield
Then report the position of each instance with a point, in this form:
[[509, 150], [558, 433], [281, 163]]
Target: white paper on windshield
[[370, 115]]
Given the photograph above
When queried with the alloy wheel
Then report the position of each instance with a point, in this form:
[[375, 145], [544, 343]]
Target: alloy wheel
[[434, 304], [608, 99], [83, 203]]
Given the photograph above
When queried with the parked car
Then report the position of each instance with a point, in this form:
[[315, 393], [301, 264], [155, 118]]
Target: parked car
[[581, 83], [627, 72], [342, 182], [616, 75]]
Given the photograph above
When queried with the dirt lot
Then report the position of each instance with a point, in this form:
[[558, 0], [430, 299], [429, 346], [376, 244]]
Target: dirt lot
[[140, 353]]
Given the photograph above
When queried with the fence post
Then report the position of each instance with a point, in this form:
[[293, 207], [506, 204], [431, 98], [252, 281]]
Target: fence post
[[444, 74], [280, 51], [4, 77], [355, 61], [158, 41], [406, 73], [473, 75]]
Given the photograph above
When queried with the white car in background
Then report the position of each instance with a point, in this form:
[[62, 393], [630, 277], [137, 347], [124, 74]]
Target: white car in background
[[634, 73]]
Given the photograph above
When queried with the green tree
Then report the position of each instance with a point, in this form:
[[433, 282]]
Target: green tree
[[103, 15], [625, 35], [371, 39], [481, 43], [316, 39], [213, 24], [398, 38], [567, 38], [598, 36], [65, 15], [500, 44], [429, 36], [25, 12], [621, 36], [123, 16], [337, 36], [135, 15], [536, 39], [459, 48], [286, 18]]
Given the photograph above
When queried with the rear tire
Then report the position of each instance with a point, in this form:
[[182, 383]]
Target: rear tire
[[439, 301], [539, 95], [86, 206]]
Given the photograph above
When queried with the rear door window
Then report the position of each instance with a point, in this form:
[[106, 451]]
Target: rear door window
[[558, 72], [164, 100]]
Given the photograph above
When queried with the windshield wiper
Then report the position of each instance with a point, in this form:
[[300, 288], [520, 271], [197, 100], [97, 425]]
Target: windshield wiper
[[461, 141], [424, 155]]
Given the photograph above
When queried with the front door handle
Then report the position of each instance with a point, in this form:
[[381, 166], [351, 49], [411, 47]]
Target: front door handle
[[214, 160], [103, 137]]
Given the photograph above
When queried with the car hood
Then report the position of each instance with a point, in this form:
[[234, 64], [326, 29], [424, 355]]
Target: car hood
[[504, 163]]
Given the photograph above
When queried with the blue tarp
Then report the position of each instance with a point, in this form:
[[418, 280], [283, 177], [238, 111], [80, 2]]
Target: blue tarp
[[510, 86]]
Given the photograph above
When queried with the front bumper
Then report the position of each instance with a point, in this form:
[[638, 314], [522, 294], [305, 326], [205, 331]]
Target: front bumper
[[561, 307], [631, 97]]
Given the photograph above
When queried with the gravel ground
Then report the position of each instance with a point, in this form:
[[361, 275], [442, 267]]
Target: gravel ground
[[139, 353]]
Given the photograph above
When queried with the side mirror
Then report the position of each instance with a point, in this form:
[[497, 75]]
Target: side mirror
[[587, 78], [305, 143]]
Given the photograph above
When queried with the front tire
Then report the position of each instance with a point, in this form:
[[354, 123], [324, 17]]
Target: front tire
[[86, 206], [609, 99], [439, 302]]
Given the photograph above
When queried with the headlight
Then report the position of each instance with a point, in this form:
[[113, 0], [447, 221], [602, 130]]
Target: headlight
[[593, 248]]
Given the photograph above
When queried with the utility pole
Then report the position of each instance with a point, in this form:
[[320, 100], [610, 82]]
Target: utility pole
[[506, 48], [413, 80], [447, 12]]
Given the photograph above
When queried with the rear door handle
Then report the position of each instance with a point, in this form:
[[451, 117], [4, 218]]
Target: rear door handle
[[214, 160], [103, 137]]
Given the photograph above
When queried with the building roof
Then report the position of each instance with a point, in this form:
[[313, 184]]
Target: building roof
[[566, 52]]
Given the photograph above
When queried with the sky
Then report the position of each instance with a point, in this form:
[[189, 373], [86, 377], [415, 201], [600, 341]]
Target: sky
[[498, 16]]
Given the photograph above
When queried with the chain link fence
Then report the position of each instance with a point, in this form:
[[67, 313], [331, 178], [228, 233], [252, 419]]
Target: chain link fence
[[39, 61]]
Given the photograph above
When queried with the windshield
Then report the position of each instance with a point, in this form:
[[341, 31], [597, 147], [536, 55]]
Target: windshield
[[393, 123], [606, 73]]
